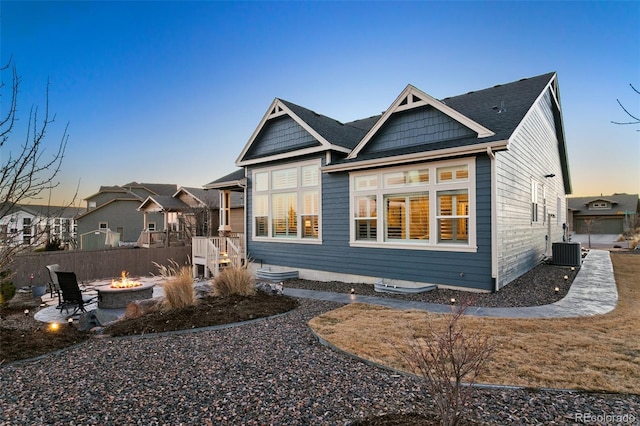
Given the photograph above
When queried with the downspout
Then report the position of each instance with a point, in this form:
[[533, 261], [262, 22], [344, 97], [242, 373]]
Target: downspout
[[494, 221]]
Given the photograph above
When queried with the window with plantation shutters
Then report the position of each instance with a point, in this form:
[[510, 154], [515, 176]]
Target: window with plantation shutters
[[366, 221], [453, 216], [424, 206], [286, 202], [310, 214], [284, 179], [261, 215]]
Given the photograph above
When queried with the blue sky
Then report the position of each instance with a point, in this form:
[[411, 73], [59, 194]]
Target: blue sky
[[170, 92]]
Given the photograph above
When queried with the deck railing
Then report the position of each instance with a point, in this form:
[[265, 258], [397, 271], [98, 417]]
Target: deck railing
[[214, 252]]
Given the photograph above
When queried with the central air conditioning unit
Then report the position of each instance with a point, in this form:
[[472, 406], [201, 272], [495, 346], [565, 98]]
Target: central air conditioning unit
[[567, 254]]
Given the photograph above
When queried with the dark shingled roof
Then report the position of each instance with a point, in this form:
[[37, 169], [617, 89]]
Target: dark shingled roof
[[156, 188], [483, 107], [169, 203], [231, 177], [345, 135], [211, 198], [514, 98], [619, 203]]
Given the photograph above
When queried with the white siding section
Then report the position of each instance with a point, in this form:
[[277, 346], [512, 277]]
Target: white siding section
[[533, 154]]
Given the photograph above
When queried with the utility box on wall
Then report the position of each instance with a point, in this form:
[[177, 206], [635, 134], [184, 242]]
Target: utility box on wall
[[567, 254]]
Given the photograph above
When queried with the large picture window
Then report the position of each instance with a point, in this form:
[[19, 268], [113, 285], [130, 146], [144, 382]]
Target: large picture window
[[421, 206], [286, 202]]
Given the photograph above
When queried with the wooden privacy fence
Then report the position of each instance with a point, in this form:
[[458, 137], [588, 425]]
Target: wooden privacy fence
[[93, 265]]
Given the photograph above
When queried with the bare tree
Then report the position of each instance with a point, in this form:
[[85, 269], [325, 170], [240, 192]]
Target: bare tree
[[448, 356], [26, 169], [590, 225], [635, 119]]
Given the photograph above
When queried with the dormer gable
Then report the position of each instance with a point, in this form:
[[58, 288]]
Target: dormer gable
[[601, 204], [287, 129], [435, 119]]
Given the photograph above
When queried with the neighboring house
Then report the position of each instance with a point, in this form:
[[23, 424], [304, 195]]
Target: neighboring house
[[35, 225], [115, 208], [188, 213], [604, 214], [467, 192]]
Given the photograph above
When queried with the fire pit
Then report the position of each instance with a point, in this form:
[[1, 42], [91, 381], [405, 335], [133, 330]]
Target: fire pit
[[119, 293]]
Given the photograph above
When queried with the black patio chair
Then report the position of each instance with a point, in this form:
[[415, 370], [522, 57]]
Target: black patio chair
[[72, 296]]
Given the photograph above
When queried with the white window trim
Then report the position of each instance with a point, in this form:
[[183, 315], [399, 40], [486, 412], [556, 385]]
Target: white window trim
[[433, 187], [535, 201], [299, 190]]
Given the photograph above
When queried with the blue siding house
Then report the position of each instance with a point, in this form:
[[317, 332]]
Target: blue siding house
[[463, 192]]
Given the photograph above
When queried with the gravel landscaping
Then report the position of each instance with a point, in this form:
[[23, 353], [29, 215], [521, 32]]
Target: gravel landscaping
[[268, 372], [535, 288]]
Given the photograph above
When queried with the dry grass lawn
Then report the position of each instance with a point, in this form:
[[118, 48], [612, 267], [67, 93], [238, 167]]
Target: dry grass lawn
[[600, 352]]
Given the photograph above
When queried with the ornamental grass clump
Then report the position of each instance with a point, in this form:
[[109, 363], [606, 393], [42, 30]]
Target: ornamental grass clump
[[234, 281], [178, 289]]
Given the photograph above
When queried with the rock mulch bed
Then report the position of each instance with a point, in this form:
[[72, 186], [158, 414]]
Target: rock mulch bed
[[535, 288], [268, 372]]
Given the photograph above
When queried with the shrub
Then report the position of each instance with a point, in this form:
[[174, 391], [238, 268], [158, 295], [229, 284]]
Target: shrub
[[233, 280], [7, 291], [449, 358], [635, 241], [178, 290]]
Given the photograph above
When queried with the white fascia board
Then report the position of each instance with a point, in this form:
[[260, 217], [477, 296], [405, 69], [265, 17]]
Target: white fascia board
[[241, 183], [419, 156], [287, 155], [264, 119], [425, 100], [282, 109], [149, 200], [534, 105]]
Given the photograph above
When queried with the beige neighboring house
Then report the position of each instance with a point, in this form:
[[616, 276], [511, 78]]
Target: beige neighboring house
[[35, 225], [603, 214]]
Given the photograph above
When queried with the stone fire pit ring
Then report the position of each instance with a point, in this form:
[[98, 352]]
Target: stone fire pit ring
[[118, 298]]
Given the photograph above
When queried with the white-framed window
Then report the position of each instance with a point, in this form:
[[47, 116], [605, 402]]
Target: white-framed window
[[422, 206], [286, 202], [534, 201], [151, 226], [599, 205], [103, 225]]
